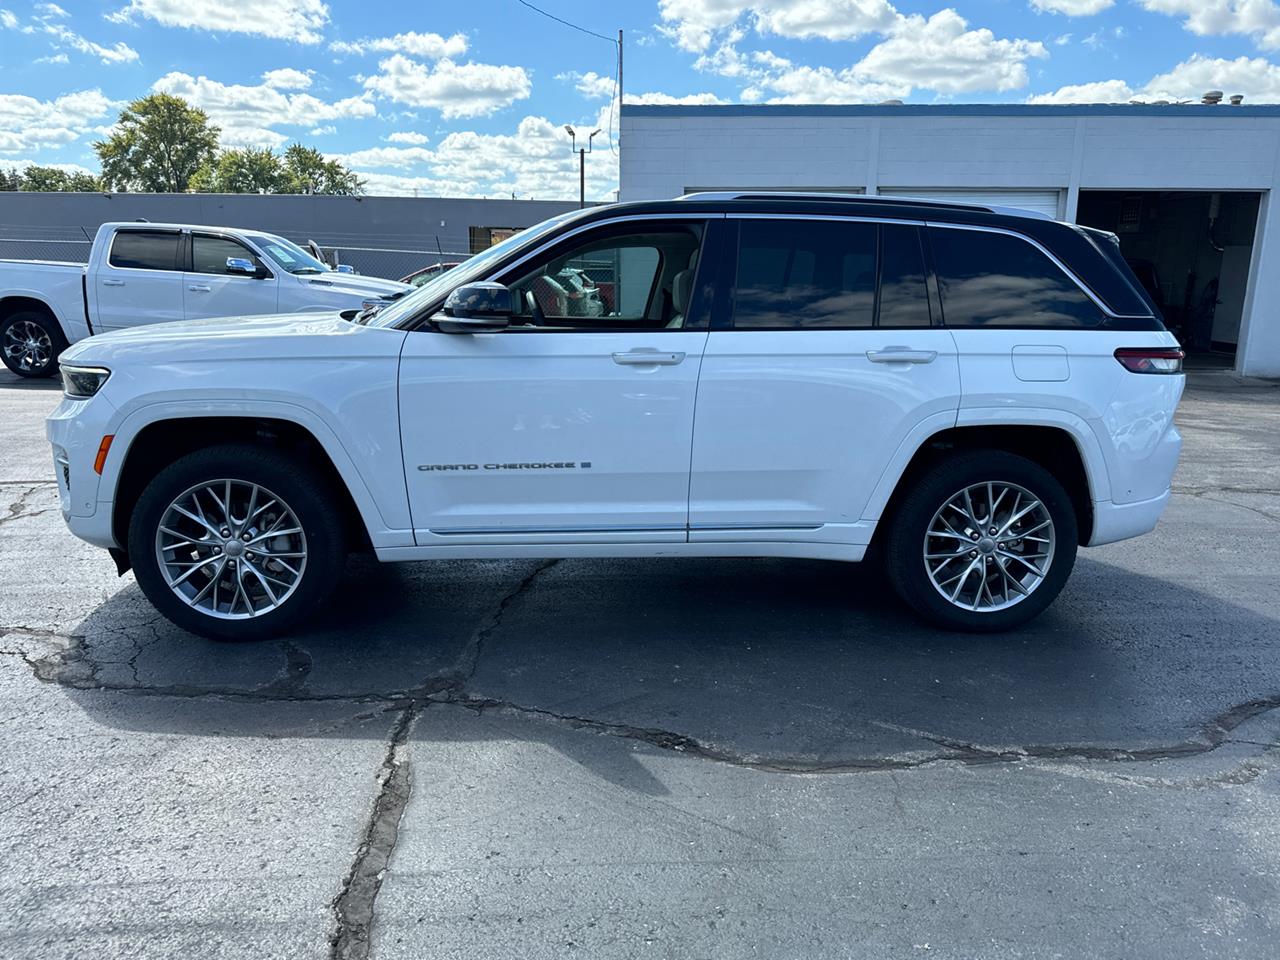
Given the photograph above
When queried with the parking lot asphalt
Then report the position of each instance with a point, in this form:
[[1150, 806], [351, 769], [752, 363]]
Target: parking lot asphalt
[[645, 758]]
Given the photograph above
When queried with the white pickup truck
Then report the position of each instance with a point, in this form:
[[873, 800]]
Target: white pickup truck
[[141, 273]]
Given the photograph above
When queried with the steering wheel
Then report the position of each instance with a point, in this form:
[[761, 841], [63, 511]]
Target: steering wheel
[[536, 317]]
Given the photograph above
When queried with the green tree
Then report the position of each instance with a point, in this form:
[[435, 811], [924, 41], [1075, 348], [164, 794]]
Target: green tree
[[159, 143], [241, 171], [10, 179], [45, 180], [307, 171], [79, 182]]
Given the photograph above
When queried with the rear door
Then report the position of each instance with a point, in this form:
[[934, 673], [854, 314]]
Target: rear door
[[824, 362], [140, 279], [212, 289]]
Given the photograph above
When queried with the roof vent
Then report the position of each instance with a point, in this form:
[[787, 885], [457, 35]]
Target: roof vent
[[890, 103], [1212, 97], [1236, 99]]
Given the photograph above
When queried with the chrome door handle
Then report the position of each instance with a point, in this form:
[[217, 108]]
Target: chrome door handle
[[113, 283], [648, 358], [901, 355], [199, 287]]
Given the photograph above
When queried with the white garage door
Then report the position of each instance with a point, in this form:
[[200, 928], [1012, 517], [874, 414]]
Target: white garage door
[[1041, 201]]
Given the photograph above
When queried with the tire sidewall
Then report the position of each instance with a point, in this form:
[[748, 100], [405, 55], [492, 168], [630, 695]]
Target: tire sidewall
[[906, 564], [57, 342], [281, 475]]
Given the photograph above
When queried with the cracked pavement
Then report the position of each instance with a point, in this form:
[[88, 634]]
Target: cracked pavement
[[693, 758]]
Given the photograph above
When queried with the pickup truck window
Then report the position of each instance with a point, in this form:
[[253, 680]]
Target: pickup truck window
[[291, 257], [145, 250], [210, 254]]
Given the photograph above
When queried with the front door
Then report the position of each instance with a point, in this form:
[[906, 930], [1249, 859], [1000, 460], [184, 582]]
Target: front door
[[823, 360], [575, 424], [212, 289]]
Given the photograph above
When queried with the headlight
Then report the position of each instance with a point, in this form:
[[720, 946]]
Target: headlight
[[80, 383]]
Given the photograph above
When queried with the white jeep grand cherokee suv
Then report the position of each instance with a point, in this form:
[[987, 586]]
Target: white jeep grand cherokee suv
[[974, 391]]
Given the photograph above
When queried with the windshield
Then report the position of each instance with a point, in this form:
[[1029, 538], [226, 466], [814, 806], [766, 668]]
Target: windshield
[[473, 269], [288, 255]]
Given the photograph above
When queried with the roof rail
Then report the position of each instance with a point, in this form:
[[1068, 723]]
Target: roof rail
[[861, 198]]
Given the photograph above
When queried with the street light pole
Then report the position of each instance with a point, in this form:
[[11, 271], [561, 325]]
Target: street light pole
[[582, 161]]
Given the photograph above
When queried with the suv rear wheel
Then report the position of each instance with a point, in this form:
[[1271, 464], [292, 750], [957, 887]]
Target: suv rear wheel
[[985, 541], [30, 342], [232, 543]]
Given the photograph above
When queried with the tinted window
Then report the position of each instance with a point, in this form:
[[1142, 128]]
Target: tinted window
[[210, 254], [145, 250], [904, 298], [805, 273], [997, 280]]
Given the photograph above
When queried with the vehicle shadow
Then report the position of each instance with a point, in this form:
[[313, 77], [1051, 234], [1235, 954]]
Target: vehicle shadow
[[790, 665]]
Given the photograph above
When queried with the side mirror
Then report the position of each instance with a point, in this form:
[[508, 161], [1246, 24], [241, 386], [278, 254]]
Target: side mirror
[[245, 267], [476, 308], [344, 268]]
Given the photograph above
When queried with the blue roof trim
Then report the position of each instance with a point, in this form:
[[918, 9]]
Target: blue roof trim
[[635, 110]]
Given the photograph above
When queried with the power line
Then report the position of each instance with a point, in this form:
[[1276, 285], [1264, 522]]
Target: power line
[[591, 33]]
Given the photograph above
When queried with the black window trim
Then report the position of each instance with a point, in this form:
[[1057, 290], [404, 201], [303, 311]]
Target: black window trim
[[1067, 271], [723, 319], [190, 258], [177, 260]]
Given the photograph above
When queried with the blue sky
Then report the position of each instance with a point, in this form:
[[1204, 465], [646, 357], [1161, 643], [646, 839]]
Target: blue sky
[[470, 98]]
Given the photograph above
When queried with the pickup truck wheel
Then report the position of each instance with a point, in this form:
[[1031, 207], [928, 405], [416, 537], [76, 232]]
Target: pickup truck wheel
[[984, 542], [232, 543], [30, 342]]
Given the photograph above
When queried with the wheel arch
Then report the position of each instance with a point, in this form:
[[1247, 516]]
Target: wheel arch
[[161, 440], [1055, 447]]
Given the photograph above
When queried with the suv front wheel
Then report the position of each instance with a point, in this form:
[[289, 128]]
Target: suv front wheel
[[232, 543], [984, 541]]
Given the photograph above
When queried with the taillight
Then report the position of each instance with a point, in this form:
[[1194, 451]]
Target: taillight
[[1151, 359]]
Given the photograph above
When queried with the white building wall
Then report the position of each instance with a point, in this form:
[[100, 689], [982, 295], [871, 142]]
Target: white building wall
[[666, 150]]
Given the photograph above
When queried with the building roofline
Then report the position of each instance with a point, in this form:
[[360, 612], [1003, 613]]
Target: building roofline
[[1198, 110]]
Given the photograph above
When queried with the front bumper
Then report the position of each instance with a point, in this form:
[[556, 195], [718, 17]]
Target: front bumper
[[75, 430], [1120, 521]]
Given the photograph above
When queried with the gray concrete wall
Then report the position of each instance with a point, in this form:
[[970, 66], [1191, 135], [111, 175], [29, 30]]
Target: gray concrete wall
[[380, 236]]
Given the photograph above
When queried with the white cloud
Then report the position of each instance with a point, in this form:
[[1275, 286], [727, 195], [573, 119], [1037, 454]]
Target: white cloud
[[54, 58], [591, 85], [941, 54], [119, 52], [286, 78], [327, 130], [1100, 91], [249, 114], [1073, 8], [429, 46], [1256, 78], [688, 99], [51, 10], [691, 23], [456, 90], [300, 20], [408, 136], [1259, 19], [8, 20], [828, 19], [28, 124], [382, 158]]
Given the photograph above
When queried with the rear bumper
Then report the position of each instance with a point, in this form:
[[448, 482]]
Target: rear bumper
[[1120, 521]]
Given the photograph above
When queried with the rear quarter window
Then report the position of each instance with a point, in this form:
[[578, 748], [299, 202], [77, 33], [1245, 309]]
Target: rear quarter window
[[999, 280]]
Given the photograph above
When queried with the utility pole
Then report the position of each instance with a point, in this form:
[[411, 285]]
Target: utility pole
[[620, 96]]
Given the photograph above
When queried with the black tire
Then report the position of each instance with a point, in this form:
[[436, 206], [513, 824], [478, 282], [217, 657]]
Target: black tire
[[17, 328], [281, 476], [905, 547]]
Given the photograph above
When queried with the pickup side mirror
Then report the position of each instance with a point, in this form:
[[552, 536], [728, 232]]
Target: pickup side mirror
[[245, 267], [477, 308]]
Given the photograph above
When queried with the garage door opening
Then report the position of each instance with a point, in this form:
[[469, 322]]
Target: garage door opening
[[1191, 250]]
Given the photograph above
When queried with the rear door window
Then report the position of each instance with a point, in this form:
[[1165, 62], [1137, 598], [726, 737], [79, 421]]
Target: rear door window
[[145, 250], [805, 274], [998, 280]]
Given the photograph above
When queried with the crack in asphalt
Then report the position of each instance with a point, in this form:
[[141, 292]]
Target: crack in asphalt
[[18, 510], [468, 659], [353, 906]]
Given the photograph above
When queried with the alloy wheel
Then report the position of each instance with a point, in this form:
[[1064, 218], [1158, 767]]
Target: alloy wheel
[[989, 546], [231, 549], [28, 346]]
